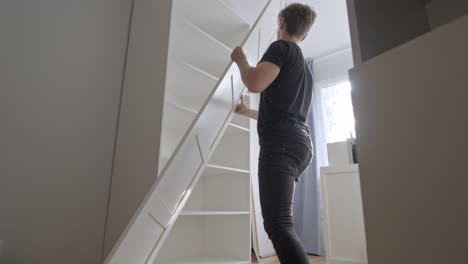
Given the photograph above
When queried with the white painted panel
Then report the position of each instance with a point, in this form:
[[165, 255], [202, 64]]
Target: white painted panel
[[215, 115], [208, 237], [139, 132], [185, 240], [176, 179], [234, 143], [61, 72], [138, 242], [196, 201], [188, 85], [241, 121], [216, 18], [158, 209], [176, 122], [251, 47], [177, 118], [202, 50], [225, 234], [222, 191], [268, 26], [412, 122], [249, 14], [344, 220], [229, 236]]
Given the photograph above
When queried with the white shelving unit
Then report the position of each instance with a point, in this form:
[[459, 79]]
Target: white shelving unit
[[204, 238], [200, 46], [214, 226], [199, 209]]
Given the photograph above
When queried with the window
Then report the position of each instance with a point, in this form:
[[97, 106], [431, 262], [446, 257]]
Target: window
[[338, 112]]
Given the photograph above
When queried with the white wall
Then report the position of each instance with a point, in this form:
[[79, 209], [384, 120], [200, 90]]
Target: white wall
[[333, 68], [139, 132], [330, 32], [412, 122], [60, 78], [441, 12]]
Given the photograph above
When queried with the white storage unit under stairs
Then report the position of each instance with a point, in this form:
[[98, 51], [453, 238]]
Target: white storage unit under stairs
[[214, 226], [199, 210]]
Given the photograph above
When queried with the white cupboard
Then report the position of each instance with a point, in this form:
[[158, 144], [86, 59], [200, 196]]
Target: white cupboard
[[343, 224]]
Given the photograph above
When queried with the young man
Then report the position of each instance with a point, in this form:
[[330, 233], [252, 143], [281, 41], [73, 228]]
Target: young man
[[285, 84]]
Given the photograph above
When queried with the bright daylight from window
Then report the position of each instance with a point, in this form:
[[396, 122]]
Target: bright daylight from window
[[338, 112]]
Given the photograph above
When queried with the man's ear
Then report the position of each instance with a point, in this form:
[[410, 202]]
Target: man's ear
[[281, 23], [303, 37]]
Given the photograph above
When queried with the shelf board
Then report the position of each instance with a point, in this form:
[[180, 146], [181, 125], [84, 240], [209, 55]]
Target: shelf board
[[239, 127], [188, 109], [212, 56], [218, 168], [197, 69], [213, 213], [177, 118], [222, 22], [187, 84], [232, 142], [241, 121], [208, 35], [206, 260], [220, 13], [233, 128]]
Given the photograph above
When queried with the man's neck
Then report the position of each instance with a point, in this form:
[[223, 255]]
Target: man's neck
[[291, 39]]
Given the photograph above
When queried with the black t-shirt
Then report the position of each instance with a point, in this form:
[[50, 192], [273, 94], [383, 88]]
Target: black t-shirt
[[289, 95]]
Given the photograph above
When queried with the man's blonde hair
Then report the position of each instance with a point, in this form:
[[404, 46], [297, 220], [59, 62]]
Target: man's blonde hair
[[298, 19]]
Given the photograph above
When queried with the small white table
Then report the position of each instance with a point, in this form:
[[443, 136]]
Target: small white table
[[343, 223]]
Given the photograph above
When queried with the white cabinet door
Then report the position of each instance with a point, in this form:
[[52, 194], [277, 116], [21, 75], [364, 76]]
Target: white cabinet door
[[344, 233]]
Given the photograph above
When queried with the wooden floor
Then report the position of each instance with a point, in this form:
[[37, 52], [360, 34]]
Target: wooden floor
[[274, 260]]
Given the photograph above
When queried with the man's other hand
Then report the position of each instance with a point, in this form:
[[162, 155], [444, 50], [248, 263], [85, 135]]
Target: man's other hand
[[238, 55], [241, 109]]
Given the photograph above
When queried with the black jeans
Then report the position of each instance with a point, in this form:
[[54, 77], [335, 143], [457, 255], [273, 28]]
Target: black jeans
[[283, 158]]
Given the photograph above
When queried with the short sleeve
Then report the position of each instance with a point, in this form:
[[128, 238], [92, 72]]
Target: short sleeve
[[276, 53]]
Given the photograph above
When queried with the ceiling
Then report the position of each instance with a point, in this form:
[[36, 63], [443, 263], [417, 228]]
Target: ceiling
[[330, 32]]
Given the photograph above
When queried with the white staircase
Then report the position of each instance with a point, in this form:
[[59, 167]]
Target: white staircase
[[198, 211]]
